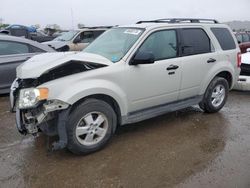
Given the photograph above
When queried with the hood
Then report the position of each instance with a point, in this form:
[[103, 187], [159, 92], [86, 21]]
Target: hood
[[56, 44], [39, 64], [246, 58]]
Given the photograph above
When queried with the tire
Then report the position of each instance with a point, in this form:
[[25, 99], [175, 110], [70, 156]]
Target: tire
[[91, 125], [215, 96]]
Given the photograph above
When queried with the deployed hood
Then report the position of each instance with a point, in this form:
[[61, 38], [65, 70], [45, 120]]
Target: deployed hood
[[56, 44], [246, 58], [39, 64]]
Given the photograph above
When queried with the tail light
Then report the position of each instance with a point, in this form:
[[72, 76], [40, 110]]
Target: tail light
[[238, 60]]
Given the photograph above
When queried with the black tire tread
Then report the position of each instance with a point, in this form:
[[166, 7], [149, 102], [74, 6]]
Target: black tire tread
[[206, 104], [89, 105]]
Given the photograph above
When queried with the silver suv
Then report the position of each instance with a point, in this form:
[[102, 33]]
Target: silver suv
[[129, 74]]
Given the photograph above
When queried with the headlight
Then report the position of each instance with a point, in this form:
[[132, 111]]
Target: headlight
[[29, 97]]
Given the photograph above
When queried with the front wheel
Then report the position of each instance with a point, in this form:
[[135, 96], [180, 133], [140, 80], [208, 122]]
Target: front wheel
[[90, 126], [215, 96]]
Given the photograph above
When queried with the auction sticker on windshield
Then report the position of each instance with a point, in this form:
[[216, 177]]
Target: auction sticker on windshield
[[133, 31]]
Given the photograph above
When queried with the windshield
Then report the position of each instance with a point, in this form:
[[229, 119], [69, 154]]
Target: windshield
[[66, 36], [114, 43]]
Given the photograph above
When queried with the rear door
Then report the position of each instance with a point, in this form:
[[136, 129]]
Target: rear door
[[13, 54], [198, 57]]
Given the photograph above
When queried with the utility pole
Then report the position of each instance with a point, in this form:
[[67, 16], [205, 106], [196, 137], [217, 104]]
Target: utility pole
[[72, 19]]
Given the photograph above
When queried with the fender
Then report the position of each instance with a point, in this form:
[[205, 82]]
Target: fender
[[222, 66], [78, 90]]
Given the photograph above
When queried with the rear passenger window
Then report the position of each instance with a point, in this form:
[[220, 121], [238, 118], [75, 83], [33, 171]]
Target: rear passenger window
[[225, 38], [11, 48], [163, 44], [195, 41]]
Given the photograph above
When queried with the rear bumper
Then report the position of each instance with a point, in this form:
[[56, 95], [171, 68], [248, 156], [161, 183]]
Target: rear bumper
[[243, 83]]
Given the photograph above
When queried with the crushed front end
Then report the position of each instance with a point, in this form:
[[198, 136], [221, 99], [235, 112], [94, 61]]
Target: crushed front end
[[35, 113]]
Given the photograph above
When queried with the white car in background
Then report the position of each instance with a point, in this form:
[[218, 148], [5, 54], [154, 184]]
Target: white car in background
[[76, 40], [243, 83]]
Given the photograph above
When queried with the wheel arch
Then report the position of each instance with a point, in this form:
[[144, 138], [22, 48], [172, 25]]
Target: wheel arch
[[104, 97], [228, 76], [225, 72]]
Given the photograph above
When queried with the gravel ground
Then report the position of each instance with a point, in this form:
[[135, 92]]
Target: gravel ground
[[183, 149]]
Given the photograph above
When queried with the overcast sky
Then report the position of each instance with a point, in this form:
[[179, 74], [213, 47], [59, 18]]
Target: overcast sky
[[117, 12]]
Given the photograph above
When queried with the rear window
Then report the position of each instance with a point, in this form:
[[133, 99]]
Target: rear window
[[195, 41], [245, 37], [224, 37]]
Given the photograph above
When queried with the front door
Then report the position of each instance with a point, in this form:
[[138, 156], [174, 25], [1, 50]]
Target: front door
[[12, 54], [150, 85]]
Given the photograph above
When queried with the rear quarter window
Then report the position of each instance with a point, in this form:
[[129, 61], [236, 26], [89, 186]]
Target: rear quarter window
[[224, 38]]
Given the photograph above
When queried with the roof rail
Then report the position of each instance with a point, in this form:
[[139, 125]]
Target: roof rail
[[95, 27], [180, 20]]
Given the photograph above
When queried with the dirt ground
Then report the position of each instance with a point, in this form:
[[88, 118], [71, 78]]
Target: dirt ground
[[183, 149]]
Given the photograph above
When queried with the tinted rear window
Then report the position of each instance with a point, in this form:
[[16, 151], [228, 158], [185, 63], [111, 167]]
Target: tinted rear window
[[195, 41], [224, 37]]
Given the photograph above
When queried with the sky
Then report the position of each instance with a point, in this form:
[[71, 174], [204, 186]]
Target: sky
[[68, 13]]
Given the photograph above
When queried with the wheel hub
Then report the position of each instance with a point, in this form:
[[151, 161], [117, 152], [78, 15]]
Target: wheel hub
[[218, 95], [92, 128]]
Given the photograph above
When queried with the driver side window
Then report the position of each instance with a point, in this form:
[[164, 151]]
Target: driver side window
[[87, 37], [162, 44]]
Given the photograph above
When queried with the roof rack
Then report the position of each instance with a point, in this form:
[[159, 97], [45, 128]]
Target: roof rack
[[95, 27], [180, 20]]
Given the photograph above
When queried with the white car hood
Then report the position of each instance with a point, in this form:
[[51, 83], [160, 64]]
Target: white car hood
[[246, 58], [56, 44], [39, 64]]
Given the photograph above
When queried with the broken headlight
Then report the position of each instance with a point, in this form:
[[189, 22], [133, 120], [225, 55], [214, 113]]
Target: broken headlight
[[31, 96]]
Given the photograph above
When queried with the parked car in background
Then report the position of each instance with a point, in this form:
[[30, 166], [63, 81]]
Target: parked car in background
[[40, 36], [243, 39], [128, 74], [76, 40], [19, 30], [243, 83], [30, 29], [13, 52]]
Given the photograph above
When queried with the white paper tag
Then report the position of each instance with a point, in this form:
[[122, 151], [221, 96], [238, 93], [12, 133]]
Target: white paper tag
[[133, 31]]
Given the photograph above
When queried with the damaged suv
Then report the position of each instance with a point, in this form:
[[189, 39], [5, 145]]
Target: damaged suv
[[129, 74]]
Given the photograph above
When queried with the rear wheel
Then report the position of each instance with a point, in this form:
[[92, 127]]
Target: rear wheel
[[90, 126], [215, 96]]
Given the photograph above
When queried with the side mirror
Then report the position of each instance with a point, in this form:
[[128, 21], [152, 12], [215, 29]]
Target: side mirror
[[143, 58], [77, 40]]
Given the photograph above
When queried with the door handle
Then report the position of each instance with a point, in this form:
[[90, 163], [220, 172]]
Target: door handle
[[211, 60], [172, 67]]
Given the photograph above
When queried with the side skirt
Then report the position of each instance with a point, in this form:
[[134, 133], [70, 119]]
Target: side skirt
[[159, 110]]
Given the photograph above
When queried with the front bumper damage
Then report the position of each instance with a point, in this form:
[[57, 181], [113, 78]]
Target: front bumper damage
[[49, 117]]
